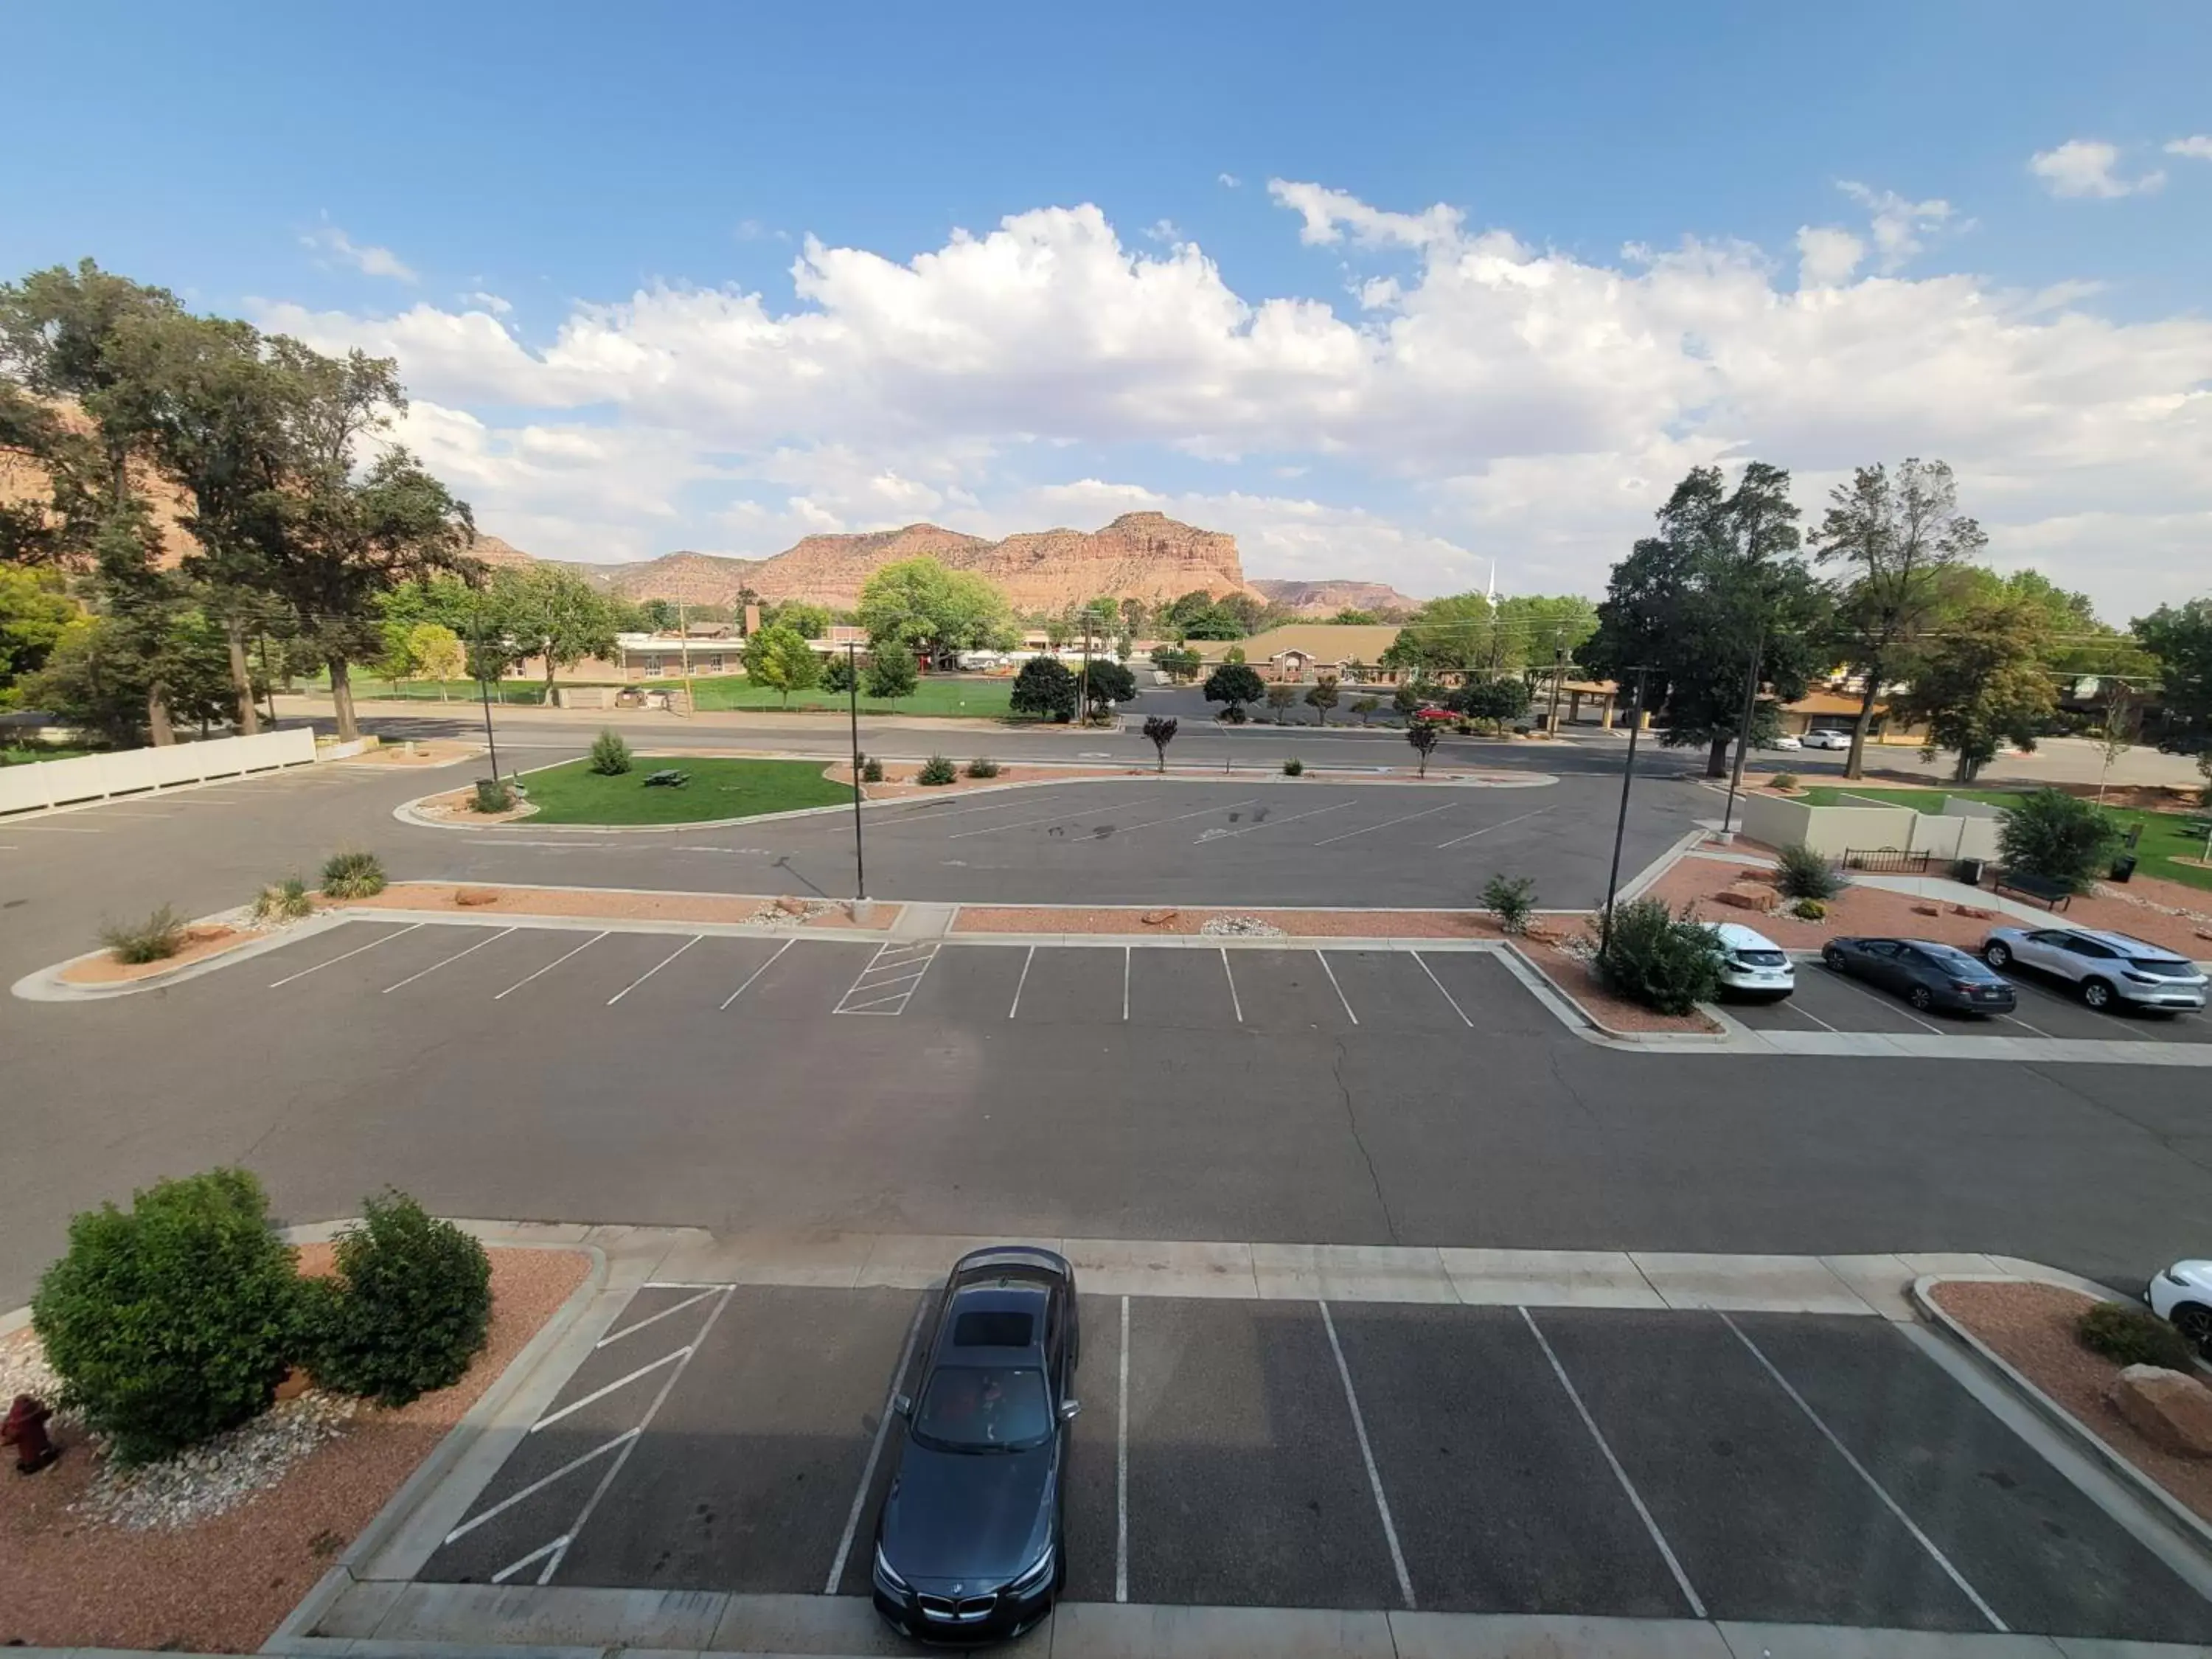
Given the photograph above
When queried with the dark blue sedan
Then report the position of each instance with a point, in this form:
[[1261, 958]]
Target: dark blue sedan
[[1928, 974]]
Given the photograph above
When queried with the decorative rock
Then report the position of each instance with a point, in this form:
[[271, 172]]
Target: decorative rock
[[474, 896], [2171, 1411], [1747, 896], [1969, 910], [791, 907], [1927, 910], [1158, 918], [1240, 927]]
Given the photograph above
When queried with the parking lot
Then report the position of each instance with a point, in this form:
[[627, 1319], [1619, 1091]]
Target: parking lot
[[1825, 1000], [1807, 1468]]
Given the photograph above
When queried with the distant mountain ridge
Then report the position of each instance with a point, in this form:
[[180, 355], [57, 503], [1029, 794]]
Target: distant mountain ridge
[[1326, 599]]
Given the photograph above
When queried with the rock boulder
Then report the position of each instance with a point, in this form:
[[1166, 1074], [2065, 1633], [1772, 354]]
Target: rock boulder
[[2171, 1411]]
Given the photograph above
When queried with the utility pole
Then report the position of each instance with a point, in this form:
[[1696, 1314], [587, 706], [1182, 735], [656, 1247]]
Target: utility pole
[[1558, 673], [853, 713], [1620, 824], [1082, 692], [1743, 726]]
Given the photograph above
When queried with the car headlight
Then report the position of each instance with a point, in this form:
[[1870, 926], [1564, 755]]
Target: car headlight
[[1033, 1575], [885, 1572]]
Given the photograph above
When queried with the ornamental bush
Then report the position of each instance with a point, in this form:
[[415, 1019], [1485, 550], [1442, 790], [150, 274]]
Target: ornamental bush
[[1512, 899], [284, 901], [157, 939], [407, 1310], [2057, 836], [1294, 768], [353, 875], [171, 1321], [492, 795], [609, 753], [935, 770], [1802, 873], [871, 770], [2133, 1336], [982, 767], [1665, 962]]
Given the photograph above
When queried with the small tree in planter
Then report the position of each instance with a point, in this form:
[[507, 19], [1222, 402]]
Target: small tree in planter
[[937, 770], [1423, 736], [609, 753], [1160, 730], [1512, 899]]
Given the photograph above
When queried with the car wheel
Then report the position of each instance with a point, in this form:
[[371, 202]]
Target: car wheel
[[2096, 993], [1996, 953], [1921, 998], [1833, 956], [2194, 1321]]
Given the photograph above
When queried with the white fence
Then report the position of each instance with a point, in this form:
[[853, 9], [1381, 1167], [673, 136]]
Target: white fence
[[94, 777]]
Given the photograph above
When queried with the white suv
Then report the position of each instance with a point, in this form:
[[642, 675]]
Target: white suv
[[1755, 967], [2106, 968]]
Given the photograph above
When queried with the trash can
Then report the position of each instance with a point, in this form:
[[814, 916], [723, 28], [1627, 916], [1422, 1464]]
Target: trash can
[[1969, 871], [2122, 867]]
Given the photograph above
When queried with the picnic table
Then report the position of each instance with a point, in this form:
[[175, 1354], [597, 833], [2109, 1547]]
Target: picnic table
[[667, 778]]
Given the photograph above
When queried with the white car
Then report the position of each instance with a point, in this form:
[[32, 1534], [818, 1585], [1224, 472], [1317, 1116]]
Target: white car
[[1756, 967], [1784, 741], [1827, 740], [2182, 1296], [2106, 969]]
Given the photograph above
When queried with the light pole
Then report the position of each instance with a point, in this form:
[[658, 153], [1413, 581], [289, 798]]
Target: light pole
[[1620, 824], [1743, 728], [853, 713], [483, 688]]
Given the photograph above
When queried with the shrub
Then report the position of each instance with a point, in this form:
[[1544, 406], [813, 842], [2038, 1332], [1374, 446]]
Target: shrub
[[1512, 899], [1782, 780], [358, 875], [1802, 873], [837, 675], [407, 1309], [935, 770], [1810, 910], [891, 673], [157, 939], [982, 767], [1663, 961], [287, 901], [2132, 1336], [492, 795], [173, 1321], [1294, 768], [1232, 715], [871, 770], [2058, 836], [1045, 690], [1464, 728], [609, 753]]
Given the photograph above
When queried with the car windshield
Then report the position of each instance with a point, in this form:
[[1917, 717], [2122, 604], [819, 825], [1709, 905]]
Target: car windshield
[[1756, 958], [983, 1408]]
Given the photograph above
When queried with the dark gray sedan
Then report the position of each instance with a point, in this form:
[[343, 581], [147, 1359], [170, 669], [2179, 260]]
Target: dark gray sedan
[[1927, 974]]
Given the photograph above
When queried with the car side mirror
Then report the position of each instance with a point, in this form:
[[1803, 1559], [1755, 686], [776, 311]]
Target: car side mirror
[[1068, 1409], [902, 1405]]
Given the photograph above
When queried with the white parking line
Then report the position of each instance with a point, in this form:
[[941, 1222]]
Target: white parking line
[[549, 966], [2016, 1020], [875, 1452], [1367, 1457], [456, 957], [669, 1359], [1334, 986], [1058, 817], [540, 1554], [1121, 1468], [1447, 995], [757, 972], [1128, 829], [897, 971], [622, 1457], [1473, 833], [1386, 823], [1270, 823], [1234, 1001], [1124, 984], [655, 969], [650, 1318], [1860, 1469], [537, 1486], [1015, 1007], [346, 956], [1635, 1497]]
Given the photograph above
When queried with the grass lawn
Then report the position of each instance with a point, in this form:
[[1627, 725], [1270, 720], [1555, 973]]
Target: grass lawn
[[2166, 836], [720, 788], [940, 695]]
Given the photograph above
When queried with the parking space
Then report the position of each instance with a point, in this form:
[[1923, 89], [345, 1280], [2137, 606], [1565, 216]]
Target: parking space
[[1797, 1468], [2046, 1008]]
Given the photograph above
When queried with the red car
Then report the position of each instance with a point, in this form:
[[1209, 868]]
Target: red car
[[1429, 711]]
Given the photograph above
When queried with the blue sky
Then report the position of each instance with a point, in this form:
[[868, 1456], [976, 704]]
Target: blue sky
[[577, 227]]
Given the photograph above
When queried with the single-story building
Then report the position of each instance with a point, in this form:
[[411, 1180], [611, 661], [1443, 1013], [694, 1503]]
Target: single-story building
[[1347, 651]]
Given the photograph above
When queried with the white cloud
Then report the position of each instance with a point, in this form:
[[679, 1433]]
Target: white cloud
[[1897, 222], [1493, 400], [1164, 230], [1329, 213], [2084, 167], [327, 239], [491, 302], [2198, 148], [1228, 180], [1827, 255]]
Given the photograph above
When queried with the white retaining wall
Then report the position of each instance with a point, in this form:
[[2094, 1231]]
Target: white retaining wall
[[1869, 827], [92, 777]]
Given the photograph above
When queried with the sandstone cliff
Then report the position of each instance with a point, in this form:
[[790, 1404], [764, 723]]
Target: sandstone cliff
[[1326, 599]]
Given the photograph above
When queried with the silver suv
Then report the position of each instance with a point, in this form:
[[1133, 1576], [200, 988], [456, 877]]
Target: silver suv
[[2106, 968]]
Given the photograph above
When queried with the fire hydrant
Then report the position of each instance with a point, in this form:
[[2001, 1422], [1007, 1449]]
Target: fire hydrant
[[25, 1429]]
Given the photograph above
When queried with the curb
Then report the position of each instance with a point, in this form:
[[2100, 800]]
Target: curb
[[46, 984], [2077, 1433]]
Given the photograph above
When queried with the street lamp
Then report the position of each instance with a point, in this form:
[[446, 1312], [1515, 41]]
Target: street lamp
[[1620, 824], [852, 711]]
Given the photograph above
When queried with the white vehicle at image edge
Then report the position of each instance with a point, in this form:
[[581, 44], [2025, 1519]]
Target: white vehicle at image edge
[[2182, 1296], [1754, 965], [2106, 969], [1783, 741], [1827, 740]]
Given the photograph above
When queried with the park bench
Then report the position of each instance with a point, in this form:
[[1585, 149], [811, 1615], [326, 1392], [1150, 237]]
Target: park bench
[[2055, 893], [667, 778]]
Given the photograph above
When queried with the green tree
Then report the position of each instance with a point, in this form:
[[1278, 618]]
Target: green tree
[[810, 620], [1159, 731], [1132, 618], [891, 673], [1108, 683], [1406, 697], [1323, 696], [1497, 701], [1351, 617], [1044, 689], [1980, 683], [1365, 707], [1690, 605], [1235, 684], [1899, 534], [2180, 639], [657, 616], [781, 659], [1423, 735], [1459, 633], [933, 612], [555, 615], [34, 610], [1177, 663], [2057, 836], [1549, 629], [838, 674], [1280, 696], [436, 650]]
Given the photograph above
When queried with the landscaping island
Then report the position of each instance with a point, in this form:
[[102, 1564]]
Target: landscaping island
[[717, 788]]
